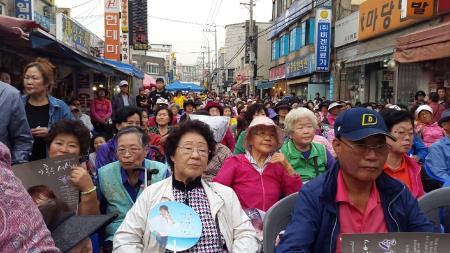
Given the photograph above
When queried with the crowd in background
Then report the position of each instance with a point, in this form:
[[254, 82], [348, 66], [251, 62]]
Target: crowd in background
[[221, 155]]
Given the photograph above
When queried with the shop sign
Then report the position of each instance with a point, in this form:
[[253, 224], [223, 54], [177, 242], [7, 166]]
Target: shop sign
[[346, 30], [323, 39], [112, 30], [380, 16], [300, 66], [296, 10], [124, 39], [278, 72], [138, 24], [443, 6], [24, 9], [417, 9], [72, 34], [42, 20]]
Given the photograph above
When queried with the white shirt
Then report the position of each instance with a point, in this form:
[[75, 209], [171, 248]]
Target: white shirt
[[125, 100]]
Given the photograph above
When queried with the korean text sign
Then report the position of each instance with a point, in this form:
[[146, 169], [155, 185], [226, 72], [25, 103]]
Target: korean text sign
[[323, 39], [421, 9], [300, 66], [380, 16], [24, 9], [112, 30]]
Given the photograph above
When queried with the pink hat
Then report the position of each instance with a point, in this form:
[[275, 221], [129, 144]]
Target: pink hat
[[264, 121]]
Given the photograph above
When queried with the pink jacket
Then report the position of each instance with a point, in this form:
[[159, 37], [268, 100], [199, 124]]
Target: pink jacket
[[101, 110], [253, 189], [228, 140], [415, 177], [430, 133]]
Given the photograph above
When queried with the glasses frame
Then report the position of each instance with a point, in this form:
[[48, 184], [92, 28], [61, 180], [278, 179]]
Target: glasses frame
[[194, 149], [364, 148]]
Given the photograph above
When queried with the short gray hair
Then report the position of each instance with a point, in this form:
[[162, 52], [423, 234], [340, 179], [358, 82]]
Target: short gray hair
[[142, 136], [295, 114]]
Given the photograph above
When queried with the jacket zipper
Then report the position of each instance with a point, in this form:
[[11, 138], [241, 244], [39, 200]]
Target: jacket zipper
[[389, 208], [263, 191], [332, 233]]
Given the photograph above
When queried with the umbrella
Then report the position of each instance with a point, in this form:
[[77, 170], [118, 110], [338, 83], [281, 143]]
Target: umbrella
[[149, 81]]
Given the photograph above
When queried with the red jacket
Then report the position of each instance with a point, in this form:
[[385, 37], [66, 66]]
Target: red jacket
[[228, 140], [415, 177], [253, 189]]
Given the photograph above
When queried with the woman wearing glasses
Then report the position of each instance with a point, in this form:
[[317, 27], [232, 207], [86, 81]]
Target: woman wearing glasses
[[398, 164], [225, 227], [261, 176]]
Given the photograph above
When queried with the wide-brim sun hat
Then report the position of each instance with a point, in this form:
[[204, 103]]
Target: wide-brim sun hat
[[264, 121], [212, 104], [334, 105], [423, 108]]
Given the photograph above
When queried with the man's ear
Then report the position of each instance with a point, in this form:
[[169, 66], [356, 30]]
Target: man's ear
[[337, 146]]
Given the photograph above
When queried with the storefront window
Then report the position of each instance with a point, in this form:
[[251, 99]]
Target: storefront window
[[303, 35]]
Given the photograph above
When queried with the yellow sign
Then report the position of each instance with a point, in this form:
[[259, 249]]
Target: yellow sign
[[369, 120], [380, 16], [419, 9]]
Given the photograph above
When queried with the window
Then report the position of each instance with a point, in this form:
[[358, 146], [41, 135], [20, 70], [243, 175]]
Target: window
[[286, 44], [294, 43], [275, 49], [303, 34], [152, 68], [310, 31], [230, 75], [282, 45], [2, 9]]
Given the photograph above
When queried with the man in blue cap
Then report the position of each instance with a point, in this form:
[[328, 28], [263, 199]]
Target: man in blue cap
[[355, 196]]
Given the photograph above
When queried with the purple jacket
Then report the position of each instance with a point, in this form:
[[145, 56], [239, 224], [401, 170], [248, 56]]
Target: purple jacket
[[106, 154]]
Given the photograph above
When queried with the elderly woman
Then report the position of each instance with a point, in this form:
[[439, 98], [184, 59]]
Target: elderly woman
[[251, 112], [308, 158], [261, 176], [226, 228]]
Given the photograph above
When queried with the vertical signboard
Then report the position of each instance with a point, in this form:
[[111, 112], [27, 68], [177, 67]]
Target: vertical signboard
[[138, 24], [24, 9], [112, 30], [323, 38], [124, 38]]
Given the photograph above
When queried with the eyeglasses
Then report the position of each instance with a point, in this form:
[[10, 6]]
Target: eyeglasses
[[189, 150], [403, 134], [131, 151], [364, 148]]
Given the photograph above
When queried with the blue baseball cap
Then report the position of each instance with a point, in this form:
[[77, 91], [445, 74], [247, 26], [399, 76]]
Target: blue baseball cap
[[358, 123]]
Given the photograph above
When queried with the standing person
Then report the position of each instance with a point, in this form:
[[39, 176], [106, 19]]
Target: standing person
[[141, 99], [443, 97], [15, 132], [75, 108], [101, 111], [399, 165], [41, 108], [22, 228], [317, 99], [160, 92], [355, 196], [123, 98]]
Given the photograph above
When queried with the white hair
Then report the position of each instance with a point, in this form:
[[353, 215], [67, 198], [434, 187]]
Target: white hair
[[295, 114]]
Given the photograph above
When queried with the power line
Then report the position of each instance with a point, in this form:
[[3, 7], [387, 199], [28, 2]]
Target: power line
[[76, 6]]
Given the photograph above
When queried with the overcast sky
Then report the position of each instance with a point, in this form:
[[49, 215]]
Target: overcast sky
[[186, 39]]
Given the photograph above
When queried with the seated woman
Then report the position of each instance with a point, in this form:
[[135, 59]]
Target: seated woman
[[307, 157], [398, 164], [225, 226], [261, 176], [72, 137]]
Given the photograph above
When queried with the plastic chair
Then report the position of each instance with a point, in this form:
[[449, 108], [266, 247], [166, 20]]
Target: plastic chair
[[276, 220], [432, 202]]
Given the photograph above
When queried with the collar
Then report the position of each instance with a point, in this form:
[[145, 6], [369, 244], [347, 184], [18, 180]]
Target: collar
[[342, 192], [253, 162], [190, 186], [124, 174], [403, 166]]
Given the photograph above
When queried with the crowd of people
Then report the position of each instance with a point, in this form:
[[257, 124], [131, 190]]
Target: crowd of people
[[358, 168]]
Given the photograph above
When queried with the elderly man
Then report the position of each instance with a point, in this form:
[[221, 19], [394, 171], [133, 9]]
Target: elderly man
[[123, 98], [121, 182], [127, 116], [355, 196]]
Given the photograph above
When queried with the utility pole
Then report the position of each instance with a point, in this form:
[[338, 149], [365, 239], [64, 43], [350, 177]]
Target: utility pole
[[217, 59], [251, 35], [203, 69]]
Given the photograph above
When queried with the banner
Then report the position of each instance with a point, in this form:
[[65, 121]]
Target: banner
[[72, 34], [138, 24], [300, 66], [124, 43], [112, 30], [323, 39], [346, 30]]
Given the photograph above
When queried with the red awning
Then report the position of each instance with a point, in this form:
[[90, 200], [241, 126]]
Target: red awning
[[15, 27], [428, 44]]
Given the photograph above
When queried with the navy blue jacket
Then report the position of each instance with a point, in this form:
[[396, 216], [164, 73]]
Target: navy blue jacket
[[315, 226]]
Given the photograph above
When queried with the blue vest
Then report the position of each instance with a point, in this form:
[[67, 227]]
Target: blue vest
[[117, 198]]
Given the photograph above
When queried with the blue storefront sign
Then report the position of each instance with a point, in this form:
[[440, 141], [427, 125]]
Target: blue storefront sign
[[323, 39], [300, 66], [42, 20], [24, 9]]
